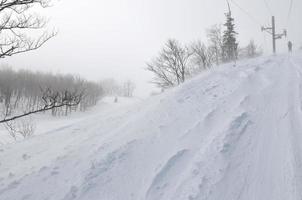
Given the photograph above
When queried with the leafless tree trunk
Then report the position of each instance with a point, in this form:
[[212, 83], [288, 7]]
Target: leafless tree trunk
[[214, 35]]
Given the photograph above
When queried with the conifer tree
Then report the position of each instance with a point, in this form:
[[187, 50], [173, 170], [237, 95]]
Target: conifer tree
[[230, 45]]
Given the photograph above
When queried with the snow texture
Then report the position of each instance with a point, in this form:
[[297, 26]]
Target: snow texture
[[232, 133]]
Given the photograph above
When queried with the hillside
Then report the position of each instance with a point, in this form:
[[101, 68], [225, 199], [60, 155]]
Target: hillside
[[231, 133]]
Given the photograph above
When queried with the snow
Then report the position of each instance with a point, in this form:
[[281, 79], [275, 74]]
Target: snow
[[231, 133], [45, 123]]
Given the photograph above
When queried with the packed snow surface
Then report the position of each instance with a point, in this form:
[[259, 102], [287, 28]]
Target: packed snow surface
[[234, 133]]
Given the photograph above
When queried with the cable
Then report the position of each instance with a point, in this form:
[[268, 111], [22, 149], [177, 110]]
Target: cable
[[290, 10], [289, 14], [247, 13], [258, 23], [268, 8]]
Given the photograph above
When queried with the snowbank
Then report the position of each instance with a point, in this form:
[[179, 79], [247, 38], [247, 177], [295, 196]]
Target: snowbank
[[232, 133]]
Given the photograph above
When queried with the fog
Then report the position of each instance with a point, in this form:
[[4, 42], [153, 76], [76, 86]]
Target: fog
[[101, 39]]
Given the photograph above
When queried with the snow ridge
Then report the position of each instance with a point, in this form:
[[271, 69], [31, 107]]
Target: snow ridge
[[231, 133]]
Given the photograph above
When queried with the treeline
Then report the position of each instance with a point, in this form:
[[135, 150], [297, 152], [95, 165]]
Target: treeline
[[22, 91], [111, 87], [177, 62]]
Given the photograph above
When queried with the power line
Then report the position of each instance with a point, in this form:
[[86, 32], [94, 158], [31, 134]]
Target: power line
[[290, 10], [268, 7], [247, 13], [271, 30], [258, 23]]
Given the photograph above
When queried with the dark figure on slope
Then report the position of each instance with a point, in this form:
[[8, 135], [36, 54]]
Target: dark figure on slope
[[290, 46]]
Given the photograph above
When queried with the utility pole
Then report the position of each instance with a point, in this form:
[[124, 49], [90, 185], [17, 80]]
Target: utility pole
[[274, 33], [272, 30]]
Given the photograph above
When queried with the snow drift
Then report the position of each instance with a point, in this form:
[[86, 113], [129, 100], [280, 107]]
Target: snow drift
[[232, 133]]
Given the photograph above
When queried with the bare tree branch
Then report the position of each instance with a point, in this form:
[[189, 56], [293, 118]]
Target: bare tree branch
[[16, 22], [171, 66], [51, 101]]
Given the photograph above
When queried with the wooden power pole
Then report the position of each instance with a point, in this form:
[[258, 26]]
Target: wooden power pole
[[272, 30]]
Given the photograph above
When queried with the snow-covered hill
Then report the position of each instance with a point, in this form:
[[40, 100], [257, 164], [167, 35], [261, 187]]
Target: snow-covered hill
[[46, 123], [232, 133]]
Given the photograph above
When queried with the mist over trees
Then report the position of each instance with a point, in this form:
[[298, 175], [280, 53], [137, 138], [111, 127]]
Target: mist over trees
[[111, 87], [23, 92], [250, 51], [129, 88], [176, 62]]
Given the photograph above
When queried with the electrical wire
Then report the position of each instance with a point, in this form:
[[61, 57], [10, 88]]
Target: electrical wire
[[290, 10], [247, 13], [268, 7], [258, 23]]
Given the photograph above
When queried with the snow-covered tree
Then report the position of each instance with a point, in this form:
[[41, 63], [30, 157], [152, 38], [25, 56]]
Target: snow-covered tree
[[171, 67], [201, 58], [214, 35], [252, 50], [230, 45], [111, 87], [128, 88]]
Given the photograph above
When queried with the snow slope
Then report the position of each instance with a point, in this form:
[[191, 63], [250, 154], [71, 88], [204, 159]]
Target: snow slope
[[233, 133], [45, 123]]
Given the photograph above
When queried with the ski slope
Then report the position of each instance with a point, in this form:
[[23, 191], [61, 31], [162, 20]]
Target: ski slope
[[234, 133]]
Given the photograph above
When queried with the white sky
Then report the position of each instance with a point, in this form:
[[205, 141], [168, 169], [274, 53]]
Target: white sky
[[115, 38]]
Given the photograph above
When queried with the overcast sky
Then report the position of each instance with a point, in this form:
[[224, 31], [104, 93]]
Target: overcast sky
[[115, 38]]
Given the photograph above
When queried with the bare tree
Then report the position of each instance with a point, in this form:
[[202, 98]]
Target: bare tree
[[201, 57], [252, 50], [20, 91], [51, 100], [171, 66], [24, 127], [17, 21], [129, 88], [111, 87], [214, 35]]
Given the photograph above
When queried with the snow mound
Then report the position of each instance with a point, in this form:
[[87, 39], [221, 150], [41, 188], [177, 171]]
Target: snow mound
[[231, 133]]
